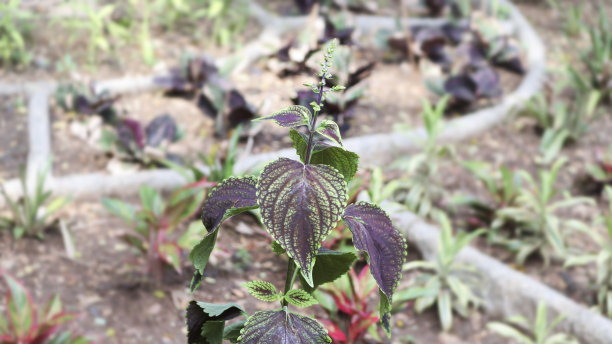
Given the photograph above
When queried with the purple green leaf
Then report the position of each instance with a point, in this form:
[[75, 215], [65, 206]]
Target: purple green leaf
[[292, 117], [233, 196], [300, 298], [329, 129], [161, 128], [300, 205], [262, 290], [373, 232], [281, 327]]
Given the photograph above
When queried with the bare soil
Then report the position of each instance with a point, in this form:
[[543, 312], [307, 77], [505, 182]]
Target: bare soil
[[106, 284]]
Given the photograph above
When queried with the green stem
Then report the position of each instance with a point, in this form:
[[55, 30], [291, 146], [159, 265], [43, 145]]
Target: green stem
[[292, 271]]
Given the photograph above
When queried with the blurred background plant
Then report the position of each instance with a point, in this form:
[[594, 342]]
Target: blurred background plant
[[16, 26], [346, 303], [30, 212], [445, 282], [420, 189], [538, 331], [502, 186], [538, 227], [602, 259], [152, 226], [24, 322]]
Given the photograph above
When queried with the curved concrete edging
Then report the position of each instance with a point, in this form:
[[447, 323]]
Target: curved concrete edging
[[374, 149], [507, 292]]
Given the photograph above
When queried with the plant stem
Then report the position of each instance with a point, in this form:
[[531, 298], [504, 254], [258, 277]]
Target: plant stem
[[310, 146], [292, 271]]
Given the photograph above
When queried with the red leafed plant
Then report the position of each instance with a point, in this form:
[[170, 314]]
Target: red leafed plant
[[24, 323], [346, 303]]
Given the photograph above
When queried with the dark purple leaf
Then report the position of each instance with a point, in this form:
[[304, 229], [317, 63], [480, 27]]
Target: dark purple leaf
[[281, 327], [462, 88], [82, 105], [199, 313], [239, 110], [360, 74], [130, 134], [189, 78], [283, 53], [476, 53], [434, 7], [509, 58], [292, 117], [399, 43], [223, 200], [454, 31], [344, 35], [431, 42], [162, 128], [487, 82], [305, 5], [300, 205], [373, 232], [199, 69], [207, 106]]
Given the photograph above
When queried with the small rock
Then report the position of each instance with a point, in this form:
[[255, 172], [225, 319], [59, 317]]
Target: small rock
[[154, 309], [238, 293], [244, 229]]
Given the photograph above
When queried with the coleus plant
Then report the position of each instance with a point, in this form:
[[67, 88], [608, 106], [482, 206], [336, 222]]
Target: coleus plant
[[78, 99], [25, 323], [199, 79], [300, 202], [145, 145], [154, 224]]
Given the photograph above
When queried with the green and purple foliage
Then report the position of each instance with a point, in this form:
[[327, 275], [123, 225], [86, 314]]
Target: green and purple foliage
[[25, 323], [300, 202]]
